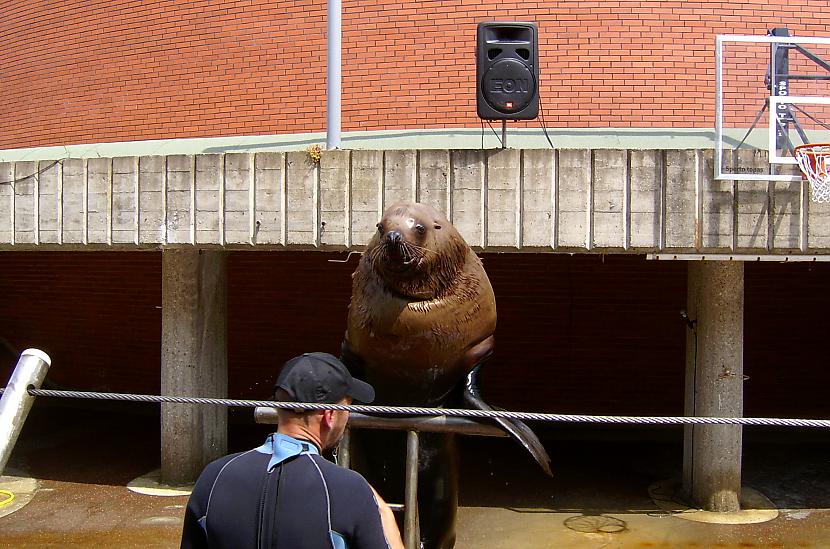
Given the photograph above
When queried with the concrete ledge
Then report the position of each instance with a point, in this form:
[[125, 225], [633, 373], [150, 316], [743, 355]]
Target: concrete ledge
[[527, 200]]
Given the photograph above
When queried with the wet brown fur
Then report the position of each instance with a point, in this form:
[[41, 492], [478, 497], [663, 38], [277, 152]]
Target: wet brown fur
[[419, 330], [422, 314]]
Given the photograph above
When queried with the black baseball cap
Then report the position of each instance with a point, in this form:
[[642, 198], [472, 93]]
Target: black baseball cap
[[321, 378]]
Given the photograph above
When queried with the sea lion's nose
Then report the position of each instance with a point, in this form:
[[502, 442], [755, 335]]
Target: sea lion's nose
[[394, 237]]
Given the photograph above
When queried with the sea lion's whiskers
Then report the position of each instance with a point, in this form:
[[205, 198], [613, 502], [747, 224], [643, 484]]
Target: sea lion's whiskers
[[408, 251], [423, 249]]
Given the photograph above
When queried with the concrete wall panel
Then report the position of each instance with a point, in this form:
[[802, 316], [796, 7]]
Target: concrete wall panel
[[239, 180], [49, 187], [467, 188], [400, 176], [505, 181], [7, 202], [623, 201], [366, 191], [152, 199], [681, 179], [301, 214], [25, 191], [752, 205], [610, 188], [269, 179], [181, 174], [717, 209], [818, 222], [210, 183], [786, 209], [537, 208], [124, 199], [573, 199], [335, 227], [646, 187], [434, 179]]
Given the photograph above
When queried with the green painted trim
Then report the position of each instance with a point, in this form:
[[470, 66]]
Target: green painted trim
[[461, 138]]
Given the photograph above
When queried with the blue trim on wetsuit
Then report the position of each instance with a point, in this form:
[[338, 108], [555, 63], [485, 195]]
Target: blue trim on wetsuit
[[281, 447]]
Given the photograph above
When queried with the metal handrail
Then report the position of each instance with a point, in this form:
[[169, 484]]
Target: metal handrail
[[412, 426]]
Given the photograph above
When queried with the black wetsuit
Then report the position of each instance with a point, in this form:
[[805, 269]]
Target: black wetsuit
[[282, 495]]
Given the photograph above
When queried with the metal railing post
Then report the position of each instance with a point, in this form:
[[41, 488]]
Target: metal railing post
[[16, 402], [344, 449], [410, 512], [412, 426]]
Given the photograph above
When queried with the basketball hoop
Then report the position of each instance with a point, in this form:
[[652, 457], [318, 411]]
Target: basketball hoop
[[814, 160]]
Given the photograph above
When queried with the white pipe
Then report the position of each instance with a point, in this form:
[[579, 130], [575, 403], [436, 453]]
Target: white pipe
[[16, 402]]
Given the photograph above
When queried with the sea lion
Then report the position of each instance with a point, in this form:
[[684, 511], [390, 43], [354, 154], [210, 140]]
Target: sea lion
[[421, 319], [422, 312]]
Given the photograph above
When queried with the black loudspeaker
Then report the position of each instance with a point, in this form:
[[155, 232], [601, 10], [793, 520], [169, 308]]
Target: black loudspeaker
[[507, 71]]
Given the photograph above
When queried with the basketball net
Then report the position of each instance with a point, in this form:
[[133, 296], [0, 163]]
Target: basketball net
[[814, 160]]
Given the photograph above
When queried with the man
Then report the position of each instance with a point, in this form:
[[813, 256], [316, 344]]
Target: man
[[284, 494]]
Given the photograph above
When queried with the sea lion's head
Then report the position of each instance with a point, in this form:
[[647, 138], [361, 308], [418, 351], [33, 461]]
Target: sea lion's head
[[416, 251]]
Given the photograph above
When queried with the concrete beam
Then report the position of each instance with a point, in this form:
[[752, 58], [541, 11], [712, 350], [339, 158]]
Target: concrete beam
[[714, 383], [193, 360], [542, 200]]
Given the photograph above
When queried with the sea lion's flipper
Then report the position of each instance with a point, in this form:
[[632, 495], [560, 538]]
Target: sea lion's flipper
[[515, 428], [353, 362]]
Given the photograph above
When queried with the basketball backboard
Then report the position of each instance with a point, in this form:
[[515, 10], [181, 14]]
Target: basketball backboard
[[772, 94]]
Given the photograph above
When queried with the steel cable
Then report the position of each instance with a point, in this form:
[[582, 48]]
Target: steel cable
[[451, 412]]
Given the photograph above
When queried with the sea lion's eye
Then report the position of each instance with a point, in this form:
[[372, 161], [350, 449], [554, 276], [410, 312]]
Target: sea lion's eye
[[437, 226], [420, 228]]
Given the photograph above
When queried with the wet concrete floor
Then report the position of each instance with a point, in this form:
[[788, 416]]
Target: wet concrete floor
[[83, 458]]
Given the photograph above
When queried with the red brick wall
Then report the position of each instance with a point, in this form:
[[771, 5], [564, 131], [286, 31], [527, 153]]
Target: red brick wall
[[577, 334], [97, 315], [97, 70], [571, 330]]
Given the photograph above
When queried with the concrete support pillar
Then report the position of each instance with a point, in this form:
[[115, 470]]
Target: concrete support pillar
[[714, 383], [193, 361]]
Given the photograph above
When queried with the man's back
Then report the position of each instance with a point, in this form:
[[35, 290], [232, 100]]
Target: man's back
[[304, 502]]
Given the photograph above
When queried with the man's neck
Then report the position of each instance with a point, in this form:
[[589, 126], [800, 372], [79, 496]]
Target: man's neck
[[299, 433]]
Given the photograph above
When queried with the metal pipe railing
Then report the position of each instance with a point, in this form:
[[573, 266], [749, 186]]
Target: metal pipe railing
[[427, 424], [410, 511], [16, 401], [412, 426]]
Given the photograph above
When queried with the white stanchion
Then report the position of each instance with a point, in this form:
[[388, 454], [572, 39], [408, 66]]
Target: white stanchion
[[16, 401]]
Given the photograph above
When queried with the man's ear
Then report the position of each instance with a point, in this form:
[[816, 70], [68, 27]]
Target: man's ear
[[328, 418]]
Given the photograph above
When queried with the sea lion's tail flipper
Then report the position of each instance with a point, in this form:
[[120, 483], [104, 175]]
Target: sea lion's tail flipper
[[515, 428]]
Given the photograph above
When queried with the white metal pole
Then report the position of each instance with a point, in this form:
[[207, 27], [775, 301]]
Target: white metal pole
[[333, 74], [16, 402]]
